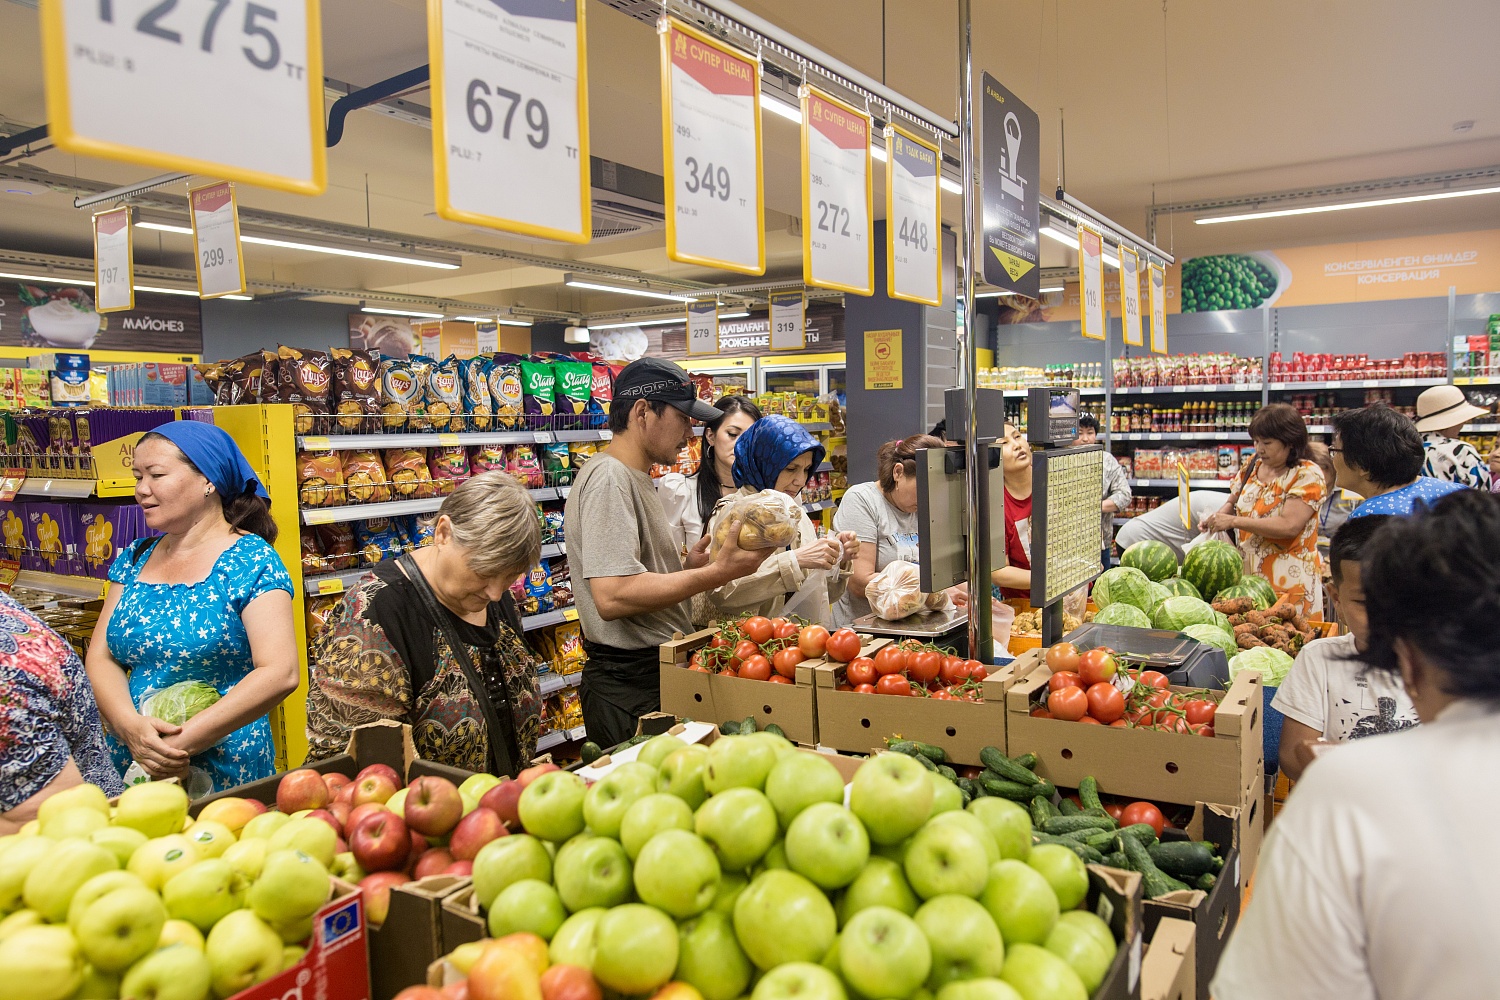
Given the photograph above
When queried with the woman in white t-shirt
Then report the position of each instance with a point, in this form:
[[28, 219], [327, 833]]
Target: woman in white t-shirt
[[689, 501], [1364, 889]]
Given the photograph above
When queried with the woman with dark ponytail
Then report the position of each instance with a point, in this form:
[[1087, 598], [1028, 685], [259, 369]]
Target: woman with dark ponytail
[[207, 601], [689, 501]]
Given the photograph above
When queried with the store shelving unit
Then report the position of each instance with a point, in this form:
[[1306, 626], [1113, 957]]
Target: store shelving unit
[[1182, 436], [377, 442], [558, 737], [552, 683]]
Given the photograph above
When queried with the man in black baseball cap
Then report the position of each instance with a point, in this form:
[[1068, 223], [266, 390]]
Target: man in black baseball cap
[[629, 581]]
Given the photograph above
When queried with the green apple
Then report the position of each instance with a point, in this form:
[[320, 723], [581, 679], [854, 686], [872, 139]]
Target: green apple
[[883, 953], [892, 797], [964, 939], [644, 772], [312, 837], [529, 905], [204, 893], [573, 944], [591, 871], [782, 917], [96, 888], [1008, 822], [1064, 871], [157, 860], [799, 780], [121, 841], [41, 963], [98, 985], [80, 821], [681, 774], [242, 950], [881, 882], [262, 826], [180, 932], [294, 931], [248, 857], [979, 989], [799, 981], [291, 887], [83, 796], [945, 795], [55, 878], [1082, 951], [1037, 974], [775, 857], [155, 808], [947, 858], [120, 927], [780, 745], [635, 949], [345, 867], [731, 884], [657, 749], [738, 762], [974, 825], [22, 919], [551, 807], [651, 815], [291, 955], [173, 973], [1097, 929], [739, 824], [608, 799], [397, 803], [710, 959], [1021, 902], [507, 860], [475, 785], [16, 863], [827, 845], [677, 872], [212, 839]]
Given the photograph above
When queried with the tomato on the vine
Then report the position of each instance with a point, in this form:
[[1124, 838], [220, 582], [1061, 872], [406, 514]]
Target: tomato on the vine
[[813, 641], [977, 671], [778, 679], [785, 661], [865, 688], [843, 645], [1062, 679], [942, 695], [1068, 703], [744, 649], [719, 641], [1090, 720], [757, 628], [1105, 702], [756, 668], [861, 670], [1114, 809], [1152, 678], [1096, 665], [1062, 656], [1040, 713], [1143, 812], [893, 684], [890, 660], [846, 686], [783, 629], [1200, 711], [924, 666], [954, 670]]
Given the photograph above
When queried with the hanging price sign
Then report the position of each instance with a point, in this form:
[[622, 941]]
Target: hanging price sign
[[1130, 296], [837, 251], [1157, 290], [913, 219], [487, 337], [227, 88], [712, 151], [114, 261], [510, 138], [216, 240], [788, 321], [703, 328], [1091, 282]]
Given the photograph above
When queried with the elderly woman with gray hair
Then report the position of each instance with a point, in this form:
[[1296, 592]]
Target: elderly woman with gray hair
[[388, 651]]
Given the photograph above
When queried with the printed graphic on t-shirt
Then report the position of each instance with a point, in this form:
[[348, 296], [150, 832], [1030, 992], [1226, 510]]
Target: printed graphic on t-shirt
[[907, 546], [1384, 721], [1370, 715], [1023, 534]]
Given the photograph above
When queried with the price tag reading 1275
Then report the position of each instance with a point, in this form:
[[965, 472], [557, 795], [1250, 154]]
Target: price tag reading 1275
[[510, 145], [913, 219], [837, 251], [711, 146]]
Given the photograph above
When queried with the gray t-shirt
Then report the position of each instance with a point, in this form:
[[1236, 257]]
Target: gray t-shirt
[[874, 521], [615, 526], [1164, 524]]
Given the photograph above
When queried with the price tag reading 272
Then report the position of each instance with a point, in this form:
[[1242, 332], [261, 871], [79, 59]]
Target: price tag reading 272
[[510, 144], [837, 251], [227, 88], [712, 150]]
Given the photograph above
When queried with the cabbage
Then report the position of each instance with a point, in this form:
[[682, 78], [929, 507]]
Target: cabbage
[[1212, 635], [1273, 664], [1121, 613], [1122, 584], [177, 703], [1177, 613], [1155, 594]]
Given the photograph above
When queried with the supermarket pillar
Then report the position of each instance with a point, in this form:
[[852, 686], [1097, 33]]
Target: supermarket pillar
[[635, 588]]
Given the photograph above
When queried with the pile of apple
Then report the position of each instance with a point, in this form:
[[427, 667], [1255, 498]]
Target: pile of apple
[[695, 871]]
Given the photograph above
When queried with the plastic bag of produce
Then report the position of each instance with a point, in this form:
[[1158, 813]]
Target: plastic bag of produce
[[896, 591], [177, 703], [768, 520], [1273, 664]]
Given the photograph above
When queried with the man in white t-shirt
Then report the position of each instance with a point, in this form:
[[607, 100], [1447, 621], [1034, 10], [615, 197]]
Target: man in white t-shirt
[[1330, 696]]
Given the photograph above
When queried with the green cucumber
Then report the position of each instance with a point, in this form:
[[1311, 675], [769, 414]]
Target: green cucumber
[[590, 752], [1099, 841], [1067, 824], [948, 773], [748, 726], [1116, 860], [1015, 791], [1155, 882], [1069, 808], [1041, 811], [1085, 853], [730, 728], [775, 730], [1143, 832], [1206, 882], [1026, 760], [1088, 795], [1006, 768], [1185, 859]]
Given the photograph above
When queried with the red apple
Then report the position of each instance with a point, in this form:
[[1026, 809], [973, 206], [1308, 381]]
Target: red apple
[[463, 869], [419, 844], [569, 982], [375, 787], [358, 813], [420, 993], [329, 818], [341, 811], [377, 890], [340, 845], [345, 794], [432, 862], [456, 990], [335, 781], [301, 789], [380, 842], [534, 772], [385, 769], [502, 800], [474, 831], [433, 806], [257, 805]]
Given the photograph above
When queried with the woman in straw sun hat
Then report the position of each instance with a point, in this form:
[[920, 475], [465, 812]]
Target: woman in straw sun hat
[[1442, 412]]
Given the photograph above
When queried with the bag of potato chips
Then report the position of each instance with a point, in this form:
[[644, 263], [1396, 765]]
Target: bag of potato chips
[[445, 396], [474, 378], [538, 394], [572, 389], [505, 391]]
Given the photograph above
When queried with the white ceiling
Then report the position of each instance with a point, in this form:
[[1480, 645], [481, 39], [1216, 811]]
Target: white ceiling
[[1182, 100]]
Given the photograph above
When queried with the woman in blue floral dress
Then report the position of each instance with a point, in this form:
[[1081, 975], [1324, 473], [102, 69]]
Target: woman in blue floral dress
[[208, 601]]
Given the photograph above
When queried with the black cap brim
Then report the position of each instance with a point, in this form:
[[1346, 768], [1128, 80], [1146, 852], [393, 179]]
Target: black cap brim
[[697, 409]]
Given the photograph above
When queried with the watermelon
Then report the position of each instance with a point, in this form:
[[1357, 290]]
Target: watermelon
[[1155, 559], [1177, 613], [1213, 566], [1179, 587], [1121, 613], [1121, 584], [1157, 593], [1213, 636], [1260, 583], [1243, 589]]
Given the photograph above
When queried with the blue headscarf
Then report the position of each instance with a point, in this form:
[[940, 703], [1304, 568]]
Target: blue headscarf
[[768, 447], [216, 456]]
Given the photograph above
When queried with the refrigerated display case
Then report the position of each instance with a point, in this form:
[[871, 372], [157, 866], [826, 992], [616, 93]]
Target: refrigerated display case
[[809, 375], [730, 374]]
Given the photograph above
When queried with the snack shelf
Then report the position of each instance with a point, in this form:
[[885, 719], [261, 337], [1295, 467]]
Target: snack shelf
[[1476, 428], [60, 583], [369, 442], [1147, 390], [1477, 380], [1182, 436], [558, 736], [1023, 393], [391, 508], [1320, 428], [532, 622], [813, 508], [553, 550], [1207, 483], [552, 683], [333, 583], [1356, 383], [74, 489]]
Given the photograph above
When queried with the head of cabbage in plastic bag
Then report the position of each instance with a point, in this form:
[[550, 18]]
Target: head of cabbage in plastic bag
[[776, 453]]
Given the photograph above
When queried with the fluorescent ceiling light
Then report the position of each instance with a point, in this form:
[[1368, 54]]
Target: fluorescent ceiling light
[[166, 291], [238, 298], [953, 187], [637, 322], [989, 295], [878, 152], [401, 312], [314, 247], [781, 108], [1372, 203], [734, 315], [572, 282], [46, 279], [1053, 288], [162, 227], [491, 319], [1069, 241], [1113, 262]]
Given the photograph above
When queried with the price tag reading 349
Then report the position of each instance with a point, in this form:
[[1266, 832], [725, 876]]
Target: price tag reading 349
[[837, 195], [216, 240], [114, 261], [510, 144], [712, 151], [913, 219]]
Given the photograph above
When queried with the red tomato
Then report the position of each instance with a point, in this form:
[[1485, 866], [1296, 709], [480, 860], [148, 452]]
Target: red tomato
[[865, 688], [977, 671], [1143, 812], [890, 660], [893, 684], [1062, 679], [785, 662], [777, 623], [843, 645], [758, 629], [1119, 724], [1040, 713], [778, 679], [1114, 809], [1152, 678], [861, 671], [1090, 720], [923, 666], [1105, 702], [698, 667], [955, 670], [718, 641], [1207, 731], [941, 695], [756, 668], [728, 672], [846, 687], [1096, 665], [1062, 656], [1068, 703], [1179, 725], [813, 641], [783, 629], [743, 650], [1200, 711]]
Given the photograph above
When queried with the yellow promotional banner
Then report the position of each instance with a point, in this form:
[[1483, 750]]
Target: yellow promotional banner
[[883, 359], [1408, 268]]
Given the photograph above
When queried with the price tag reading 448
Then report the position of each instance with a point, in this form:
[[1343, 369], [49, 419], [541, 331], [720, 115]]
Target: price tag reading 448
[[227, 88], [711, 147], [913, 218], [837, 195], [510, 144]]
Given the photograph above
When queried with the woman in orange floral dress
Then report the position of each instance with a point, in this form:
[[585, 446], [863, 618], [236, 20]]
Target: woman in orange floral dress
[[1274, 506]]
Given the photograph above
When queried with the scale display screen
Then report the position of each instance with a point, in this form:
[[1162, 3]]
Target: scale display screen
[[1068, 488], [1053, 416]]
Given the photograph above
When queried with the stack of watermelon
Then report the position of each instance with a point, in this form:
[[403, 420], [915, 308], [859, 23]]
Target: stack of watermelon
[[1213, 567], [1155, 559]]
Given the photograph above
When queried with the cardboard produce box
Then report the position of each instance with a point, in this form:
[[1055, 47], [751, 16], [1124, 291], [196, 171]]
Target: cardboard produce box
[[1214, 914], [711, 698], [462, 920], [1115, 897], [337, 964], [1167, 971], [1251, 828], [411, 938]]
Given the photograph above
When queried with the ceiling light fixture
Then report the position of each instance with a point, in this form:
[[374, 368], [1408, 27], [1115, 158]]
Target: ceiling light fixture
[[1282, 213], [636, 322], [951, 186], [401, 312], [573, 282], [46, 279], [734, 315], [238, 298], [781, 108], [163, 227], [166, 291], [1071, 242], [491, 319]]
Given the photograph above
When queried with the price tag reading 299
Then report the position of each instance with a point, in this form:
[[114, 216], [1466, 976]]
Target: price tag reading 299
[[712, 146], [510, 115], [837, 210]]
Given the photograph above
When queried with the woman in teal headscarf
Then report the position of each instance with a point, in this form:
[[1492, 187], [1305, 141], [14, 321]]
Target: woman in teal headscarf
[[775, 453]]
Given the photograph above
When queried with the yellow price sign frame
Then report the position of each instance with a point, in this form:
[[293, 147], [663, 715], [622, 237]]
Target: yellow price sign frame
[[891, 134], [809, 95]]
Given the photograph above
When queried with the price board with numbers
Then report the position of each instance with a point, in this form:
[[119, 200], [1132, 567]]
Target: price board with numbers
[[703, 328], [913, 219], [114, 261], [788, 321], [1091, 282], [1157, 290], [510, 136], [711, 147], [837, 195], [216, 240], [1130, 296], [227, 88], [1065, 547]]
